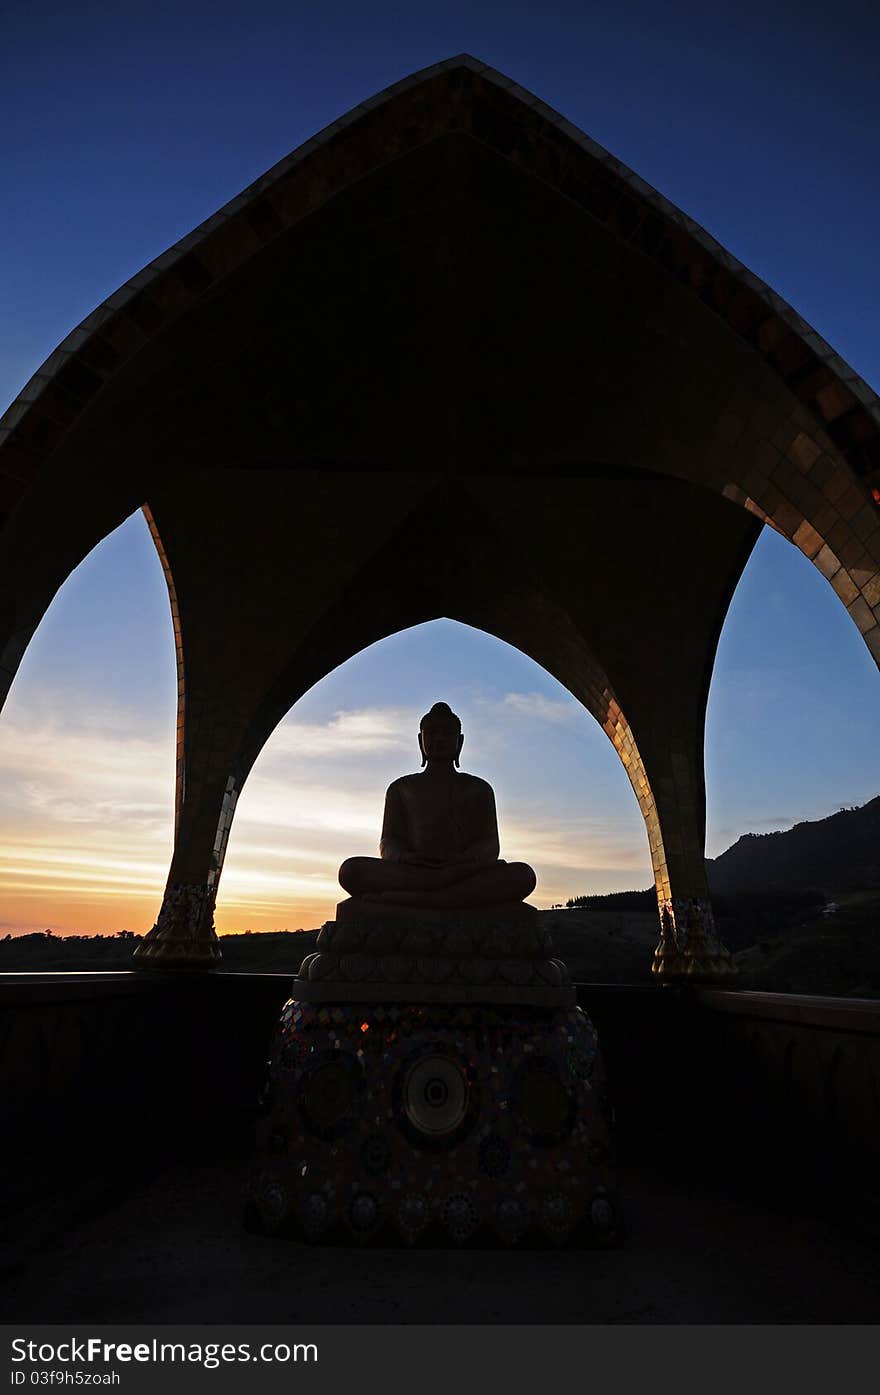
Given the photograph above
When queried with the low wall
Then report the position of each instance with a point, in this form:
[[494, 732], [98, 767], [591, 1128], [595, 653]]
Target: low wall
[[792, 1084], [102, 1073]]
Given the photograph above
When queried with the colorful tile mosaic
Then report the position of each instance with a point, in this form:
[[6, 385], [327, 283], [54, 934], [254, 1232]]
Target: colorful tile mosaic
[[449, 1122]]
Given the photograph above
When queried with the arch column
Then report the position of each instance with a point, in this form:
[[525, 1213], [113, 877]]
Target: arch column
[[208, 785], [689, 944], [621, 593], [255, 628], [666, 774]]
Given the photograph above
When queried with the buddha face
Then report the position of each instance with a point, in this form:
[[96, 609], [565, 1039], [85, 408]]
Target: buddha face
[[440, 737]]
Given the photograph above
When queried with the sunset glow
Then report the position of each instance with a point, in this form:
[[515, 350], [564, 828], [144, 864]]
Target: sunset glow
[[88, 848], [87, 753]]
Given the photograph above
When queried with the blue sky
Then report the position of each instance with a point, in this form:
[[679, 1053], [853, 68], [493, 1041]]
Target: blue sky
[[121, 128]]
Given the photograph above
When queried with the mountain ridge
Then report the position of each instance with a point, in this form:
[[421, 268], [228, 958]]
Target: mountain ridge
[[838, 853]]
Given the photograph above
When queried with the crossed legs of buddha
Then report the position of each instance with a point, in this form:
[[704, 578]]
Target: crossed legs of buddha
[[456, 886]]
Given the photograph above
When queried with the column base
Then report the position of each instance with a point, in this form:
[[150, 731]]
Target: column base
[[690, 949], [183, 936]]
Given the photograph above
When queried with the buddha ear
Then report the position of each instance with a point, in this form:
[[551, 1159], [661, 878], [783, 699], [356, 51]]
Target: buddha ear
[[460, 744], [422, 749]]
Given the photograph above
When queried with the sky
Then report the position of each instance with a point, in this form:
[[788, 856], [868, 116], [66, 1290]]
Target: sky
[[121, 128]]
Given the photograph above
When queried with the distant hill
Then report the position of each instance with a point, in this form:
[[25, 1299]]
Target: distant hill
[[273, 952], [833, 855], [829, 856], [800, 911]]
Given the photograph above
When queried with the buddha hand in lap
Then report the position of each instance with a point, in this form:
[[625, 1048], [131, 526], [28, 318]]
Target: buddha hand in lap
[[439, 846]]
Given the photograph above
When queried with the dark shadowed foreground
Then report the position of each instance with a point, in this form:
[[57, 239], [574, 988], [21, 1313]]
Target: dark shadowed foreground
[[746, 1126], [698, 1252]]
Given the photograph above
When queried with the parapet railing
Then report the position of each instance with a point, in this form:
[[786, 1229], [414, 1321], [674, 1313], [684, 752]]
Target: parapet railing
[[97, 1069]]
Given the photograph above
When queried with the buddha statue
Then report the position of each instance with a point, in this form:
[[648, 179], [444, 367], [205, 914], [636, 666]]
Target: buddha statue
[[388, 1084], [439, 845]]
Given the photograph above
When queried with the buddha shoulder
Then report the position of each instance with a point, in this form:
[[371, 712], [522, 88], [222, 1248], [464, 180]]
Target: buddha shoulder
[[400, 785], [471, 785], [475, 788]]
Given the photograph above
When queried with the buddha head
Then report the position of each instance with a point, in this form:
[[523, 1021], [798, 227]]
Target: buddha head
[[440, 735]]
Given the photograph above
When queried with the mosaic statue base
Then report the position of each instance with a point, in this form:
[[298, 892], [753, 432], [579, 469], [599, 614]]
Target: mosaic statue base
[[435, 1124]]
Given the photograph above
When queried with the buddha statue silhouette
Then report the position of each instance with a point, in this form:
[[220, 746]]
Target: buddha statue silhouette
[[412, 1085], [439, 845]]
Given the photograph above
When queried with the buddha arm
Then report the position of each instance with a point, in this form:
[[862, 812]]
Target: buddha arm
[[393, 845], [486, 848], [485, 851]]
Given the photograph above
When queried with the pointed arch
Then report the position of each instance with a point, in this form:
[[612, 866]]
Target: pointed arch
[[450, 293]]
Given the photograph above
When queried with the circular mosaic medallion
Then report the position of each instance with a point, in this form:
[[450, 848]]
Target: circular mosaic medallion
[[329, 1095], [556, 1214], [435, 1095], [460, 1217], [363, 1213], [273, 1203], [314, 1213], [603, 1218], [511, 1219], [412, 1217]]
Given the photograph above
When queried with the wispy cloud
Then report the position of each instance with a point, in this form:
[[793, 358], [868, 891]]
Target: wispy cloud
[[575, 844], [541, 708], [84, 773], [346, 734]]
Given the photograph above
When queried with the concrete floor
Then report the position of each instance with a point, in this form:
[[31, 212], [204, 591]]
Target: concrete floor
[[173, 1250]]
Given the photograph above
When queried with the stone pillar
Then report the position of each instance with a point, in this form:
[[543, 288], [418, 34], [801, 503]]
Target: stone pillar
[[689, 947], [184, 936]]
